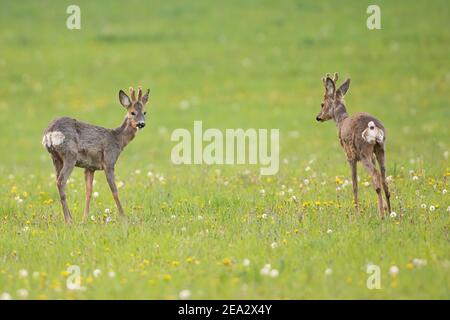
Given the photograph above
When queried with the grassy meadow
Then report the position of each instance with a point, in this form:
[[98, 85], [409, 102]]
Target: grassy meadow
[[208, 232]]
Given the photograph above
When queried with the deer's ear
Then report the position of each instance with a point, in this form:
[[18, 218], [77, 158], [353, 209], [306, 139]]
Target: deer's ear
[[343, 88], [145, 97], [329, 86], [124, 99]]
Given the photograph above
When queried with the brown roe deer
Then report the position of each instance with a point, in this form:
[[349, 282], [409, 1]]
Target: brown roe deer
[[72, 143], [362, 137]]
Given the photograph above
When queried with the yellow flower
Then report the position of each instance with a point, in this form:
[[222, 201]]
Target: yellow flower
[[167, 277], [89, 280], [189, 259], [14, 189], [226, 262], [409, 266], [175, 263], [65, 274]]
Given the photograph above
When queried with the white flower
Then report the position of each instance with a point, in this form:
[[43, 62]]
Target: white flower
[[274, 245], [262, 192], [366, 183], [95, 194], [108, 219], [393, 214], [338, 189], [419, 262], [290, 190], [307, 168], [173, 216], [23, 273], [93, 218], [149, 174], [137, 171], [393, 271], [415, 178], [329, 231], [265, 271], [97, 273], [184, 294], [389, 178], [294, 198], [111, 274], [120, 184], [423, 206], [274, 273], [432, 208], [25, 229], [264, 216], [444, 191], [306, 181], [281, 193], [328, 271], [200, 217], [107, 211], [23, 293], [246, 262], [448, 209], [5, 296]]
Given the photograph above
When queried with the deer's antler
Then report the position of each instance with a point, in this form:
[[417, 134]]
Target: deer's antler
[[132, 94], [139, 93]]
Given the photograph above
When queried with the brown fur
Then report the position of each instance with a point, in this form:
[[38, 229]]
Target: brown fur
[[93, 148], [350, 129]]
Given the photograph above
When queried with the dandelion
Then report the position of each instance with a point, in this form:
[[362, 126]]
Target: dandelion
[[274, 245], [264, 216], [93, 218], [120, 184], [226, 262], [107, 211], [111, 274], [23, 273], [265, 271], [149, 174], [262, 192], [97, 273], [23, 293], [274, 273], [329, 231], [393, 214], [419, 262], [95, 194], [328, 271], [393, 271], [167, 277], [423, 206], [432, 208], [415, 178], [5, 296], [184, 294], [366, 183], [306, 182], [246, 262]]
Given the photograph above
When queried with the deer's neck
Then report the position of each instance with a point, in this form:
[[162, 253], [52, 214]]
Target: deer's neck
[[340, 114], [125, 133]]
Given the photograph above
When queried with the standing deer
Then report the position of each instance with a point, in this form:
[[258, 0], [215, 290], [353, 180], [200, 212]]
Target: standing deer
[[74, 143], [362, 137]]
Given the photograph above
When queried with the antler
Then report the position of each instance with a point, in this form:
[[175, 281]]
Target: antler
[[328, 75], [132, 94], [336, 77], [139, 93]]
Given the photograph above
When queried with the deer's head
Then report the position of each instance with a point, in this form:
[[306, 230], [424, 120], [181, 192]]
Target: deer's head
[[135, 106], [332, 97]]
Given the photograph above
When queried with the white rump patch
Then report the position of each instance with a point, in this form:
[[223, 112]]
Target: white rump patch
[[372, 134], [53, 138]]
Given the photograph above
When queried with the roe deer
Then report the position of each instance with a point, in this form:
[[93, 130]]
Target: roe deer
[[362, 137], [74, 143]]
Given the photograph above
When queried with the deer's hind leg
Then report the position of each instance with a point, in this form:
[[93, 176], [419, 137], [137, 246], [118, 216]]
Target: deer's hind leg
[[353, 166], [368, 163], [89, 178], [379, 153], [66, 170], [57, 163]]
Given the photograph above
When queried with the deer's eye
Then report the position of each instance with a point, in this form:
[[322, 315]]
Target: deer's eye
[[133, 113]]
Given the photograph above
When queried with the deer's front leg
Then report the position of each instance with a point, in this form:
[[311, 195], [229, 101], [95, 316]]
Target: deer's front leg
[[61, 181], [109, 171], [89, 178], [352, 164]]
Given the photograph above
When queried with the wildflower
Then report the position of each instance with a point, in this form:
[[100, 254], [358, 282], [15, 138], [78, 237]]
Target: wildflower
[[328, 271], [415, 178], [137, 171], [282, 193], [95, 194], [23, 293], [246, 262], [262, 192], [107, 211], [167, 277], [274, 245], [184, 294], [149, 174], [200, 217], [393, 271], [93, 218], [108, 219], [444, 191], [97, 273], [366, 183], [432, 208], [393, 214], [226, 262], [389, 178], [419, 262], [423, 206], [23, 273], [307, 168], [111, 274], [448, 209], [265, 271], [274, 273], [120, 184], [264, 216], [329, 231], [306, 182], [5, 296]]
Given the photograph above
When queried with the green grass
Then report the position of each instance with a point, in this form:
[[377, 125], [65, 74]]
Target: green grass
[[252, 64]]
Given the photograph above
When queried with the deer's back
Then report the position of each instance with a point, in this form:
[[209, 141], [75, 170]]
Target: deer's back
[[350, 135]]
